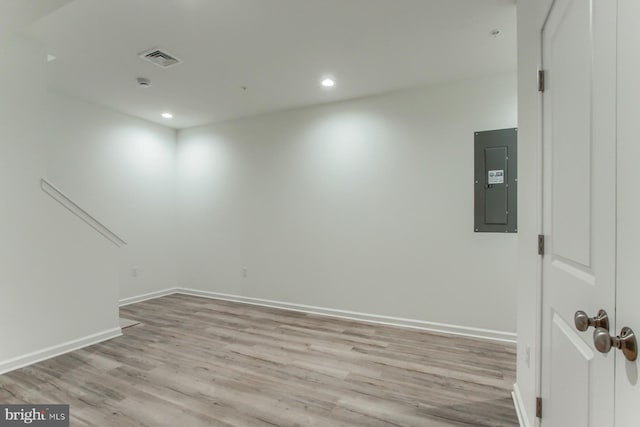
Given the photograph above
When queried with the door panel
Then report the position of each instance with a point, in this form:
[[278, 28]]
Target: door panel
[[569, 45], [579, 211], [574, 361]]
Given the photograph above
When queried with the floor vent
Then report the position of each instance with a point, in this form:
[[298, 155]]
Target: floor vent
[[160, 58]]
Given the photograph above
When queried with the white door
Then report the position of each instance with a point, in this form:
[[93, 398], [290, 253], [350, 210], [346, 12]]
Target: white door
[[628, 286], [579, 209]]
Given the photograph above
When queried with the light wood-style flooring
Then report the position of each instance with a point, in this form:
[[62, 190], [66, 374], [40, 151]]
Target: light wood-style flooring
[[203, 362]]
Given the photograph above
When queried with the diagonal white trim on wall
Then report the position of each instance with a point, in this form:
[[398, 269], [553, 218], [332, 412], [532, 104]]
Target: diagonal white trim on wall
[[73, 207]]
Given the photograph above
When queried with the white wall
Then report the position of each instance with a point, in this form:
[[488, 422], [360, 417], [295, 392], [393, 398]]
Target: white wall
[[122, 171], [531, 15], [364, 205], [58, 277]]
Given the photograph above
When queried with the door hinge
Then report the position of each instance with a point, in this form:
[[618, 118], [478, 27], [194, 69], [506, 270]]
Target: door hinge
[[538, 407], [540, 80], [540, 244]]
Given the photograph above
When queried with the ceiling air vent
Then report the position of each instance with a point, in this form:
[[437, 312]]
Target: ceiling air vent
[[160, 58]]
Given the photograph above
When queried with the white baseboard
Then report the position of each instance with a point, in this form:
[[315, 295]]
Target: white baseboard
[[344, 314], [145, 297], [57, 350], [47, 353], [519, 405], [352, 315]]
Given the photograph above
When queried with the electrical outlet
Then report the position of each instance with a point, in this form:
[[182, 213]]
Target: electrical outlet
[[134, 271], [244, 272]]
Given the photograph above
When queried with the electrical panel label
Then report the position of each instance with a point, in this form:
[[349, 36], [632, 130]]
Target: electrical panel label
[[496, 177]]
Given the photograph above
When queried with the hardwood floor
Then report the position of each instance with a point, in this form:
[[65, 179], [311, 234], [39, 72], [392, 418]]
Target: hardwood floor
[[202, 362]]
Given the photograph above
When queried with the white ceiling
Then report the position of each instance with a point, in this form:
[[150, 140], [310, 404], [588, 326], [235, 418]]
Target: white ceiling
[[15, 14], [278, 49]]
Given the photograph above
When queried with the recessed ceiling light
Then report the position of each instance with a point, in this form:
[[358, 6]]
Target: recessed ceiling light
[[167, 115], [328, 82]]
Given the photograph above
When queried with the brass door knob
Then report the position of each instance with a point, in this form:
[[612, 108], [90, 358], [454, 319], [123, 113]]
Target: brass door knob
[[626, 342]]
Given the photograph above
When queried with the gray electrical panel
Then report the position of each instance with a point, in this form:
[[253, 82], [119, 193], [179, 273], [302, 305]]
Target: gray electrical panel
[[496, 181]]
